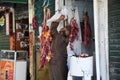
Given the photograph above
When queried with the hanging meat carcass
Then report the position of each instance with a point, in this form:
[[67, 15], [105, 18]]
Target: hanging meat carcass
[[45, 40], [74, 32], [34, 22], [87, 30]]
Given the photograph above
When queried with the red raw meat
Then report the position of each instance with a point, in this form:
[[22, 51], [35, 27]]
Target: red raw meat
[[74, 32]]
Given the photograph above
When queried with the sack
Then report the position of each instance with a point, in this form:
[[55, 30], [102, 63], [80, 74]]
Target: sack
[[79, 66]]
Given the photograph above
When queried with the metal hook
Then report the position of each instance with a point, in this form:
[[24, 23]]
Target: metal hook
[[73, 10], [48, 3], [44, 3]]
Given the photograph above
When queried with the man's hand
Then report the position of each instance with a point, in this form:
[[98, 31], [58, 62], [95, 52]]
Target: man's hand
[[60, 18]]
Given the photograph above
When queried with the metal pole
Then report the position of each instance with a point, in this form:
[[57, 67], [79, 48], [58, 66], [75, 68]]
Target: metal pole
[[13, 24]]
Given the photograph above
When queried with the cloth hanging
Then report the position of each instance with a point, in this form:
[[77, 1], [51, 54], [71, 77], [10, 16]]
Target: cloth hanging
[[59, 5], [64, 12]]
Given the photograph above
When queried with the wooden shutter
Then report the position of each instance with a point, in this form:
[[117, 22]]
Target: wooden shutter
[[4, 39], [114, 38]]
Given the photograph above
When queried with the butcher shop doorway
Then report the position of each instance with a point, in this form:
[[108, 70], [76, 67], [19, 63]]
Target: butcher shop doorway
[[84, 8]]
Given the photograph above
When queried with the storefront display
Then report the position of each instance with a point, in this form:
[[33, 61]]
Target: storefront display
[[13, 65], [14, 36]]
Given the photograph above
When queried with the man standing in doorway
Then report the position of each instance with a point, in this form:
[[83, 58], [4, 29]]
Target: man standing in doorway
[[58, 63]]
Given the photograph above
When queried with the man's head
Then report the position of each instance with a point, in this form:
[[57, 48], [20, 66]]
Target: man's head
[[66, 31]]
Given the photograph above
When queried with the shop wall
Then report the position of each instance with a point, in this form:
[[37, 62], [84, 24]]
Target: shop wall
[[114, 38]]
